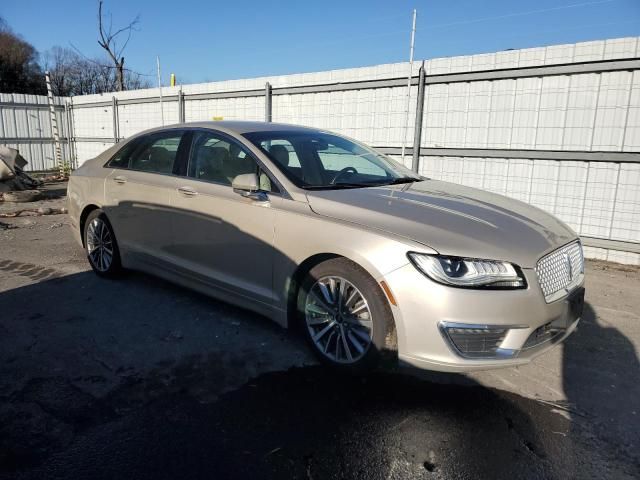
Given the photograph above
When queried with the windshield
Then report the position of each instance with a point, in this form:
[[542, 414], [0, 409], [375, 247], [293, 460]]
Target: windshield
[[318, 160]]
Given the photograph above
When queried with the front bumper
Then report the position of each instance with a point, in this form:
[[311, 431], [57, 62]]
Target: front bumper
[[531, 325]]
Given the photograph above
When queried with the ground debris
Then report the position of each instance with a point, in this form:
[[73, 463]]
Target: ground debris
[[7, 226], [34, 212], [271, 452], [12, 176], [174, 335], [53, 178]]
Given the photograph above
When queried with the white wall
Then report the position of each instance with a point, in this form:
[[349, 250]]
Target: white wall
[[570, 112], [27, 128], [577, 112], [596, 199]]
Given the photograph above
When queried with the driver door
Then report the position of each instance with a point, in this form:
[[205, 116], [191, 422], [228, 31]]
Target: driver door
[[220, 237]]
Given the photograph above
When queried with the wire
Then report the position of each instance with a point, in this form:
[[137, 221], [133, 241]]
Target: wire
[[579, 27], [521, 14]]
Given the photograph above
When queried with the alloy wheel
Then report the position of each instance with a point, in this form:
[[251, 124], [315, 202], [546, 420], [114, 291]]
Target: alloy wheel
[[339, 320], [99, 244]]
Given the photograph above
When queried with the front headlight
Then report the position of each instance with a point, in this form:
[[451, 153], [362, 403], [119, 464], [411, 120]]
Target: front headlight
[[468, 272]]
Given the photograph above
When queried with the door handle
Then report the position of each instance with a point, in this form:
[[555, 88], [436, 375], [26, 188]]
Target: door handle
[[120, 179], [187, 191]]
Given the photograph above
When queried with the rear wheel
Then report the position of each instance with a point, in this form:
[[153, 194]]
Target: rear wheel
[[345, 316], [101, 246]]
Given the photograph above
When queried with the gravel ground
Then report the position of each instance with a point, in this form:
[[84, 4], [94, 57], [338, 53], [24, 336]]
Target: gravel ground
[[138, 378]]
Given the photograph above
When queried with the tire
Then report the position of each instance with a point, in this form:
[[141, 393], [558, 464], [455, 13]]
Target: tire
[[337, 335], [101, 246]]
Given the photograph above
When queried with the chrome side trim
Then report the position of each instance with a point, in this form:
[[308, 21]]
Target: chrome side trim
[[482, 326]]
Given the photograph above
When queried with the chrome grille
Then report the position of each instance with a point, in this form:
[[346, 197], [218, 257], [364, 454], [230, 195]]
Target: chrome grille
[[477, 343], [560, 270]]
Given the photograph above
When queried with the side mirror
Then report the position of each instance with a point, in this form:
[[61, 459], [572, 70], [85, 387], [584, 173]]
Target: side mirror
[[248, 186], [246, 183]]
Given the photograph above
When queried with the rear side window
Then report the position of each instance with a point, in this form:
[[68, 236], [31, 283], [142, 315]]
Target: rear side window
[[121, 159], [155, 153]]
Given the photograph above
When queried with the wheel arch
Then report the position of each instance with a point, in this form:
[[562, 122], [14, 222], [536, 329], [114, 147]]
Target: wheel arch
[[389, 353], [296, 280], [306, 265], [83, 218]]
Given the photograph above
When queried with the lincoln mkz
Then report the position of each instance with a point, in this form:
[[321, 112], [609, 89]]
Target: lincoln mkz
[[310, 228]]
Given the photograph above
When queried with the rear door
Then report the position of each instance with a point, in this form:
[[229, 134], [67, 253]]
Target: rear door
[[138, 194]]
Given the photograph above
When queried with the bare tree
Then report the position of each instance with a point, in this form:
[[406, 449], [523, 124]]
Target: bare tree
[[72, 73], [19, 68], [62, 64], [109, 40]]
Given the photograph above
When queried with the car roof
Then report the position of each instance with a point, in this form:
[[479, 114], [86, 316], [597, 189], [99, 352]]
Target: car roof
[[237, 126]]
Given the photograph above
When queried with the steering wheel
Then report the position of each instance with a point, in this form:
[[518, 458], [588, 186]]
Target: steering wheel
[[342, 173]]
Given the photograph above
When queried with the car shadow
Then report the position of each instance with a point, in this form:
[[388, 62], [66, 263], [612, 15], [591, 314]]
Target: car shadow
[[601, 379], [143, 379], [140, 378]]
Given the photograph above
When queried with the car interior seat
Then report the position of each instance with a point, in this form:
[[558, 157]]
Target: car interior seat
[[209, 163], [160, 160], [280, 154], [237, 163]]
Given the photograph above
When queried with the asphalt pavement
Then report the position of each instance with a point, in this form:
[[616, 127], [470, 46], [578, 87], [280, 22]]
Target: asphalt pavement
[[138, 378]]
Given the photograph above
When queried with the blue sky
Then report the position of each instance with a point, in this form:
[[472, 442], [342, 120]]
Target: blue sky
[[203, 40]]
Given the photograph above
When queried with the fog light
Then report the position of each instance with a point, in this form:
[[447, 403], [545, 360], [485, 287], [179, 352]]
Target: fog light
[[477, 341]]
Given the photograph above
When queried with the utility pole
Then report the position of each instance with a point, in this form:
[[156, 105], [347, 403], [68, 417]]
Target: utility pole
[[417, 128], [160, 90], [406, 118]]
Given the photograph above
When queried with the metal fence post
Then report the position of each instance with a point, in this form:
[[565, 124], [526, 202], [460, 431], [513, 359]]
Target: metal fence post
[[417, 135], [73, 150], [180, 106], [267, 102], [67, 127], [116, 123]]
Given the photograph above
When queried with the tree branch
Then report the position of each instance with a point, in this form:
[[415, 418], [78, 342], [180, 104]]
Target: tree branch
[[108, 40]]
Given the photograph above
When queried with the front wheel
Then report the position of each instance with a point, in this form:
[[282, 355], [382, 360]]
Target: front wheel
[[101, 246], [345, 316]]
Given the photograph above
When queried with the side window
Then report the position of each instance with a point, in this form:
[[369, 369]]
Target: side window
[[121, 159], [156, 153], [282, 152], [215, 159]]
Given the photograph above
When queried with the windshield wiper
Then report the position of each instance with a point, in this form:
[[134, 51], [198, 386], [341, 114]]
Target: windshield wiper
[[398, 181], [337, 186]]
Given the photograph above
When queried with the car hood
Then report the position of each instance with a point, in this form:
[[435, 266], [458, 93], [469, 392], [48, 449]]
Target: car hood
[[451, 219]]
